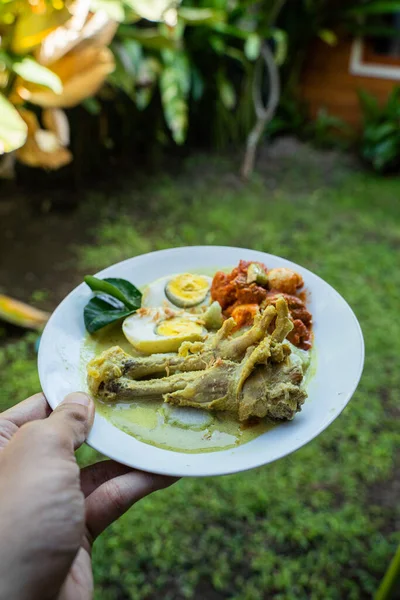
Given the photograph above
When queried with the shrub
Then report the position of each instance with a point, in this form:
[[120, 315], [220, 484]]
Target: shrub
[[380, 141]]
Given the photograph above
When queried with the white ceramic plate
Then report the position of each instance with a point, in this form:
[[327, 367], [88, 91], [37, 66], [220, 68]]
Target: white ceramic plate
[[339, 362]]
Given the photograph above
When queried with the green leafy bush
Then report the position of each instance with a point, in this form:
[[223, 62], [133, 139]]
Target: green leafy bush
[[199, 66], [169, 64], [380, 141]]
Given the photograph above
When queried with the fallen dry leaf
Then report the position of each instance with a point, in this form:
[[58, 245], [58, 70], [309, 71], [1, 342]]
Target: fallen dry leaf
[[82, 73]]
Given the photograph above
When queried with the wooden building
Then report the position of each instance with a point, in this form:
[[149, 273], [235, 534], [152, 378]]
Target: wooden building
[[333, 74]]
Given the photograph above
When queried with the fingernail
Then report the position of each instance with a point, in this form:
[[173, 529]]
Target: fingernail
[[77, 398]]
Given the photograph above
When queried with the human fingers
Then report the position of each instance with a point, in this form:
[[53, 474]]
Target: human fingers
[[114, 497], [70, 423], [32, 409], [95, 475], [42, 515]]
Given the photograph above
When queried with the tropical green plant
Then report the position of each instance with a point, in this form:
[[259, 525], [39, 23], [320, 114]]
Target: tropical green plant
[[200, 61], [194, 68], [193, 59], [380, 140]]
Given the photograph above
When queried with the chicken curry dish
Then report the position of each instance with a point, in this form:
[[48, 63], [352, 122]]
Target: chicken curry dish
[[197, 363]]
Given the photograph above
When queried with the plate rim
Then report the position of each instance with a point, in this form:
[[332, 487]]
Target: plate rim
[[256, 463]]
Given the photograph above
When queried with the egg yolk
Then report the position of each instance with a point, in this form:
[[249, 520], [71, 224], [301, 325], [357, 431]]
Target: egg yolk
[[178, 326], [187, 289]]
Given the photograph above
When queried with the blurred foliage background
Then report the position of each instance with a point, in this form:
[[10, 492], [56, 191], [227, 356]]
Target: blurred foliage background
[[90, 78]]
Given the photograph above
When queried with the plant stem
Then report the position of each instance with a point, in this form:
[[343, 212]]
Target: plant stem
[[390, 580]]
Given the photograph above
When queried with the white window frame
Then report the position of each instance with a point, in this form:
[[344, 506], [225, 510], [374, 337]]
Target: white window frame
[[359, 67]]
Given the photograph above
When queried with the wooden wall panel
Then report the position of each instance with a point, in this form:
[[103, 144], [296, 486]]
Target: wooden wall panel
[[327, 83]]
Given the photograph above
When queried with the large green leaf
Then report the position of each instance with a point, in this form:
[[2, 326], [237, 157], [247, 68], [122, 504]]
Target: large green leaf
[[376, 8], [116, 298], [281, 46], [236, 54], [131, 53], [232, 30], [369, 105], [201, 16], [6, 59], [217, 44], [132, 295], [30, 70], [121, 79], [252, 46], [152, 10], [386, 153], [143, 97], [197, 84], [98, 313], [121, 289], [149, 70], [175, 83], [113, 8], [377, 133], [133, 71], [393, 105], [92, 105], [328, 36], [227, 92], [13, 129], [128, 54], [150, 37]]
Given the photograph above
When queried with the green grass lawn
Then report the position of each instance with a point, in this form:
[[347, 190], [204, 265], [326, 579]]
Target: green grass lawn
[[319, 524]]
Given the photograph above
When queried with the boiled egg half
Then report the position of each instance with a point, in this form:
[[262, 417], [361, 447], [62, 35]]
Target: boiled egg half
[[185, 290], [154, 330]]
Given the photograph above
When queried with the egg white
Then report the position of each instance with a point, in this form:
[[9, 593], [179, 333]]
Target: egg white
[[140, 329]]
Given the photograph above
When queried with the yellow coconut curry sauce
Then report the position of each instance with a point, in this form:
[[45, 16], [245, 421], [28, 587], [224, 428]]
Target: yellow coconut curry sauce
[[149, 421]]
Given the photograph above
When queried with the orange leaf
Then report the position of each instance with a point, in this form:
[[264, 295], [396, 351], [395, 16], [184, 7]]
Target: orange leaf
[[32, 27], [82, 73]]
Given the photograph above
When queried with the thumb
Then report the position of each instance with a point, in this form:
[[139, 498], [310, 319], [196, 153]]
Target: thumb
[[72, 420]]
